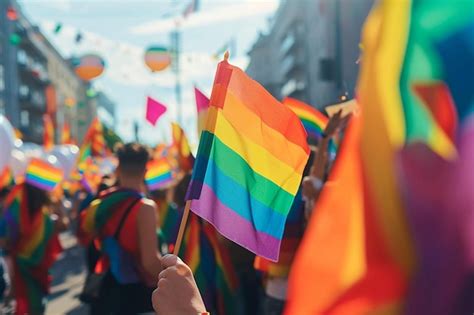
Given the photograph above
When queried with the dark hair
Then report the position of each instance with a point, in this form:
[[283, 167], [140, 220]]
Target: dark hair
[[133, 157], [37, 198]]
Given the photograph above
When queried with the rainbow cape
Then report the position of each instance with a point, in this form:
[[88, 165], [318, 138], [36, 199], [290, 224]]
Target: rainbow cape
[[211, 266], [158, 174], [249, 165], [110, 203], [43, 175], [34, 247]]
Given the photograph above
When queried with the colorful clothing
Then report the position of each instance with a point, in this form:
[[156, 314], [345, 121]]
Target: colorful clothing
[[33, 245], [100, 222]]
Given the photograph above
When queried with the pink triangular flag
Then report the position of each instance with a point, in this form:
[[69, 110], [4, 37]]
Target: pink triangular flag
[[202, 102], [154, 110]]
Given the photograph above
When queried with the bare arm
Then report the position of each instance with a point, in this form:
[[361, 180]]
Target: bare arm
[[147, 240]]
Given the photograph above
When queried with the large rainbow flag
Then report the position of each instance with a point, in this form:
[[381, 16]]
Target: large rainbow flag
[[249, 165], [406, 81]]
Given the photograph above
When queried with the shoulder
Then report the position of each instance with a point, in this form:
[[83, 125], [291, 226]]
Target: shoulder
[[147, 206]]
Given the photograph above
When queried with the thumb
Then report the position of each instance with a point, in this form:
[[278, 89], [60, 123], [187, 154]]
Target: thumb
[[169, 261]]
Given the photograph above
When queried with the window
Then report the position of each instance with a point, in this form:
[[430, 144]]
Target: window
[[2, 79], [24, 119]]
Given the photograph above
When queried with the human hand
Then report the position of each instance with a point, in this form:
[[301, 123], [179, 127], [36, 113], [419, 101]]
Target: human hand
[[176, 292], [333, 124]]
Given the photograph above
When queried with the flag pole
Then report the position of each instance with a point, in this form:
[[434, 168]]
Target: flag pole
[[182, 227]]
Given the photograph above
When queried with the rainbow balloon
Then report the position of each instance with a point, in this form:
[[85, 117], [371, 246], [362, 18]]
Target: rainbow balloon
[[89, 66], [157, 58]]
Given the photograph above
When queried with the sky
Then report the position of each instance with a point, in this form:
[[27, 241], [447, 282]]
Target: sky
[[121, 30]]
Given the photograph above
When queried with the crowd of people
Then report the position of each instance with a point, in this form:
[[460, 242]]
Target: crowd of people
[[129, 230], [121, 228]]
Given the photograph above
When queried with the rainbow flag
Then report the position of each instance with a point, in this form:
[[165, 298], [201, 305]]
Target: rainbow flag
[[202, 105], [66, 134], [34, 247], [48, 132], [43, 175], [158, 174], [180, 142], [6, 178], [314, 122], [94, 142], [249, 165]]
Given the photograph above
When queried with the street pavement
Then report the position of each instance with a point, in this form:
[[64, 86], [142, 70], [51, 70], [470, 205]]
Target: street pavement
[[68, 277]]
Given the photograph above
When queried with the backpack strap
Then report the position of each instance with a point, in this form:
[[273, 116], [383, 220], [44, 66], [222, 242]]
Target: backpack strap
[[124, 216]]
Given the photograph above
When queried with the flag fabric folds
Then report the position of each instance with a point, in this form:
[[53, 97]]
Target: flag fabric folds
[[254, 147]]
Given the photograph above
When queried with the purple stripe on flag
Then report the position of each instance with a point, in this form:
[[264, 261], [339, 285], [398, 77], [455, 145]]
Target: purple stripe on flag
[[233, 226]]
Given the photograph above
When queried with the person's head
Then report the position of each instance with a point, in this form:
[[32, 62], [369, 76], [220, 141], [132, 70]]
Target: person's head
[[132, 158]]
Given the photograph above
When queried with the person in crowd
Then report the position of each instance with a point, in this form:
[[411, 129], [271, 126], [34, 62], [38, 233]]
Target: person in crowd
[[122, 222], [29, 227]]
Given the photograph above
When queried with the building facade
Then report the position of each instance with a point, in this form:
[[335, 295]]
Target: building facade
[[311, 50], [36, 80]]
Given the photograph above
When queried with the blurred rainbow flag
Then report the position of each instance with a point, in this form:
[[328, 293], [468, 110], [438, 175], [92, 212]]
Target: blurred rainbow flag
[[6, 178], [48, 132], [314, 122], [180, 142], [158, 174], [43, 175]]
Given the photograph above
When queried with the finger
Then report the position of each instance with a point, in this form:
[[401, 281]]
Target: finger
[[169, 260], [165, 273], [162, 283], [155, 297]]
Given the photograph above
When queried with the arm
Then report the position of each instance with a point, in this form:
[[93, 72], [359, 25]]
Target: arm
[[147, 240]]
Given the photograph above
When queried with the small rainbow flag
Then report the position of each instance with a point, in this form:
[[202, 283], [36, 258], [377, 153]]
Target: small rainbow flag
[[43, 175], [48, 132], [158, 174], [6, 178], [249, 165], [313, 120]]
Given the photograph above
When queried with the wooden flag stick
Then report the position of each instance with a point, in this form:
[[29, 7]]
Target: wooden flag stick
[[182, 228]]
